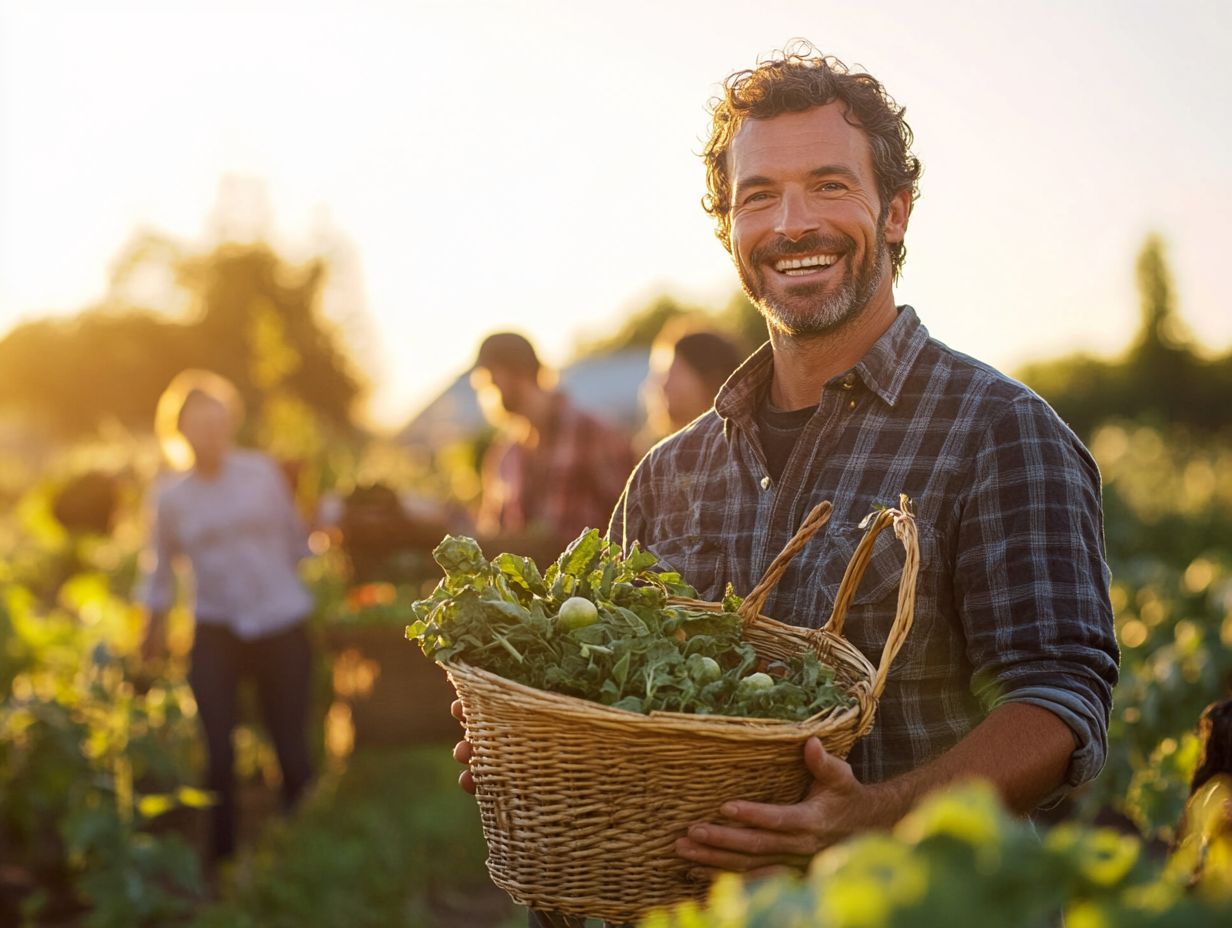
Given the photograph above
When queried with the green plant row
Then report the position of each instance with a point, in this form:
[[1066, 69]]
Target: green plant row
[[87, 764], [391, 842], [1168, 524]]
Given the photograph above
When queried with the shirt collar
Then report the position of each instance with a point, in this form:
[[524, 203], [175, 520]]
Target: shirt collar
[[887, 365], [884, 370], [739, 398]]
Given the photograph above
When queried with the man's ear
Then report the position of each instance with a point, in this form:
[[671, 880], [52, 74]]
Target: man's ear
[[897, 217]]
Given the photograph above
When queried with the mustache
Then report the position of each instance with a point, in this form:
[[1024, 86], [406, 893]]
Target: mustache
[[811, 244]]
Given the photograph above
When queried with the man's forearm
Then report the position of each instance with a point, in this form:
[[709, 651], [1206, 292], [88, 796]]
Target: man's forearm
[[1022, 749]]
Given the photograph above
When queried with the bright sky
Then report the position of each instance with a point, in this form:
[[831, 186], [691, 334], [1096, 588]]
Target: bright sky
[[533, 165]]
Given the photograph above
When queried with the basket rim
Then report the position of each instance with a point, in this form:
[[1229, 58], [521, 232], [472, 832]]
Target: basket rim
[[725, 727]]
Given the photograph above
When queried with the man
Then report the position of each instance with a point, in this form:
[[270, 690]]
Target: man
[[1008, 671], [555, 470]]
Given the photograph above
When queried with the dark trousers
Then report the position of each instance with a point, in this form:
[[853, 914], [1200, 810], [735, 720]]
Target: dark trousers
[[281, 666]]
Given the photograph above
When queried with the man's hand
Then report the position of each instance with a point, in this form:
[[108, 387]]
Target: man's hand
[[764, 837], [462, 751]]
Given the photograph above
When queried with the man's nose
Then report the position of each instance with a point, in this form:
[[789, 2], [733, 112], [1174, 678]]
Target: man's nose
[[795, 218]]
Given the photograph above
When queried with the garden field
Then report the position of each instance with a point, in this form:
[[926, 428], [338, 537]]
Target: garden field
[[101, 822], [100, 759]]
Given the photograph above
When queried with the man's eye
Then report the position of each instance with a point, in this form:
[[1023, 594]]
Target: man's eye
[[832, 186], [761, 195]]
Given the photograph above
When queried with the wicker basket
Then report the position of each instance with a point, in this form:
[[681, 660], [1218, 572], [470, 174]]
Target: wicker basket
[[582, 804]]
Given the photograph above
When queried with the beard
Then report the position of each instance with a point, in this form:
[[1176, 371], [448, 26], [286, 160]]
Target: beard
[[818, 308]]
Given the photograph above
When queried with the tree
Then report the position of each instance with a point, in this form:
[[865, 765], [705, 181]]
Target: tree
[[1159, 378], [251, 315], [1164, 379], [744, 321], [739, 319], [639, 329], [68, 376]]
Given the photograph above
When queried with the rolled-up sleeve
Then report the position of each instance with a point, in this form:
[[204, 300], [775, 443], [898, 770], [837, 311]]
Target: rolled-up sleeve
[[1032, 580]]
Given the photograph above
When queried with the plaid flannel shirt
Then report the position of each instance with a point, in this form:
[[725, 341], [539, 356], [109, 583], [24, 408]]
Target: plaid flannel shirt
[[1012, 597], [566, 482]]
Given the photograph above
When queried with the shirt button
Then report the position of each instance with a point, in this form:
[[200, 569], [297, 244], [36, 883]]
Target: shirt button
[[851, 405], [765, 482], [849, 382]]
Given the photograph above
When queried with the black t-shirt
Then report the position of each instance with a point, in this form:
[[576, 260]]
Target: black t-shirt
[[778, 431]]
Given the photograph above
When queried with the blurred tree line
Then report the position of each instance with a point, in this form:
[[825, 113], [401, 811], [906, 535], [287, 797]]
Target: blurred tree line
[[1159, 380], [739, 319], [249, 314], [256, 318]]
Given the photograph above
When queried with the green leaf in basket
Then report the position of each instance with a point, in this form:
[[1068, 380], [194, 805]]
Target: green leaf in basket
[[638, 598], [515, 612], [639, 560], [582, 554], [620, 670], [521, 573], [504, 643], [674, 584], [460, 557], [630, 618], [810, 671], [630, 704], [642, 654]]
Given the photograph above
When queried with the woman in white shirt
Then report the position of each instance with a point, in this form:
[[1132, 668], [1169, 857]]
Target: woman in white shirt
[[232, 518]]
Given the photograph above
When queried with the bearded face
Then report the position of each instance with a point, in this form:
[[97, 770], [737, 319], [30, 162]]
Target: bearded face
[[809, 231], [816, 284]]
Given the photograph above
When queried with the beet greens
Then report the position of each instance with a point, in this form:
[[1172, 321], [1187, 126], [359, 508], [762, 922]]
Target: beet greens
[[643, 654]]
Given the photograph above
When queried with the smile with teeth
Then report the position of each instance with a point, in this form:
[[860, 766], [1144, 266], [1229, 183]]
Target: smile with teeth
[[809, 264]]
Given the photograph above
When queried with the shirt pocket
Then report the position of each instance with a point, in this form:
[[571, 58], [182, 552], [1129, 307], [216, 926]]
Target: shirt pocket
[[874, 606], [701, 561]]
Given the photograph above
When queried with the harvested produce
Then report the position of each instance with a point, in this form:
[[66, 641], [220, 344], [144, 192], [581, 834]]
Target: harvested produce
[[605, 627], [577, 612]]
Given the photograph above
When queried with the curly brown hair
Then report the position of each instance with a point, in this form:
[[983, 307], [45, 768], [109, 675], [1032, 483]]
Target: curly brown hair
[[796, 79]]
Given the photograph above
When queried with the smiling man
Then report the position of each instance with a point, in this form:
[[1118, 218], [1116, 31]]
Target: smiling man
[[1008, 671]]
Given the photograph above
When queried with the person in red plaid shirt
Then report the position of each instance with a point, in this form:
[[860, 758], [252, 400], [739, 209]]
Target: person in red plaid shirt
[[555, 470]]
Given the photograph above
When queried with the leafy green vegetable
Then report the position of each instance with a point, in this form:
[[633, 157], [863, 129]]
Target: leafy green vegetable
[[641, 653]]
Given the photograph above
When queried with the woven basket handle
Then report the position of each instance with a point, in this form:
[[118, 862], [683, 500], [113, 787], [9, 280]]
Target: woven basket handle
[[905, 528], [752, 604]]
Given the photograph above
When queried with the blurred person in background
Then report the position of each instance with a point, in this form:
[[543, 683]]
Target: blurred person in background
[[1202, 852], [554, 470], [688, 365], [230, 516]]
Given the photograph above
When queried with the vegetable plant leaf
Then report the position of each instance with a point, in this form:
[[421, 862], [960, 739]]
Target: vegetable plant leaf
[[642, 653]]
